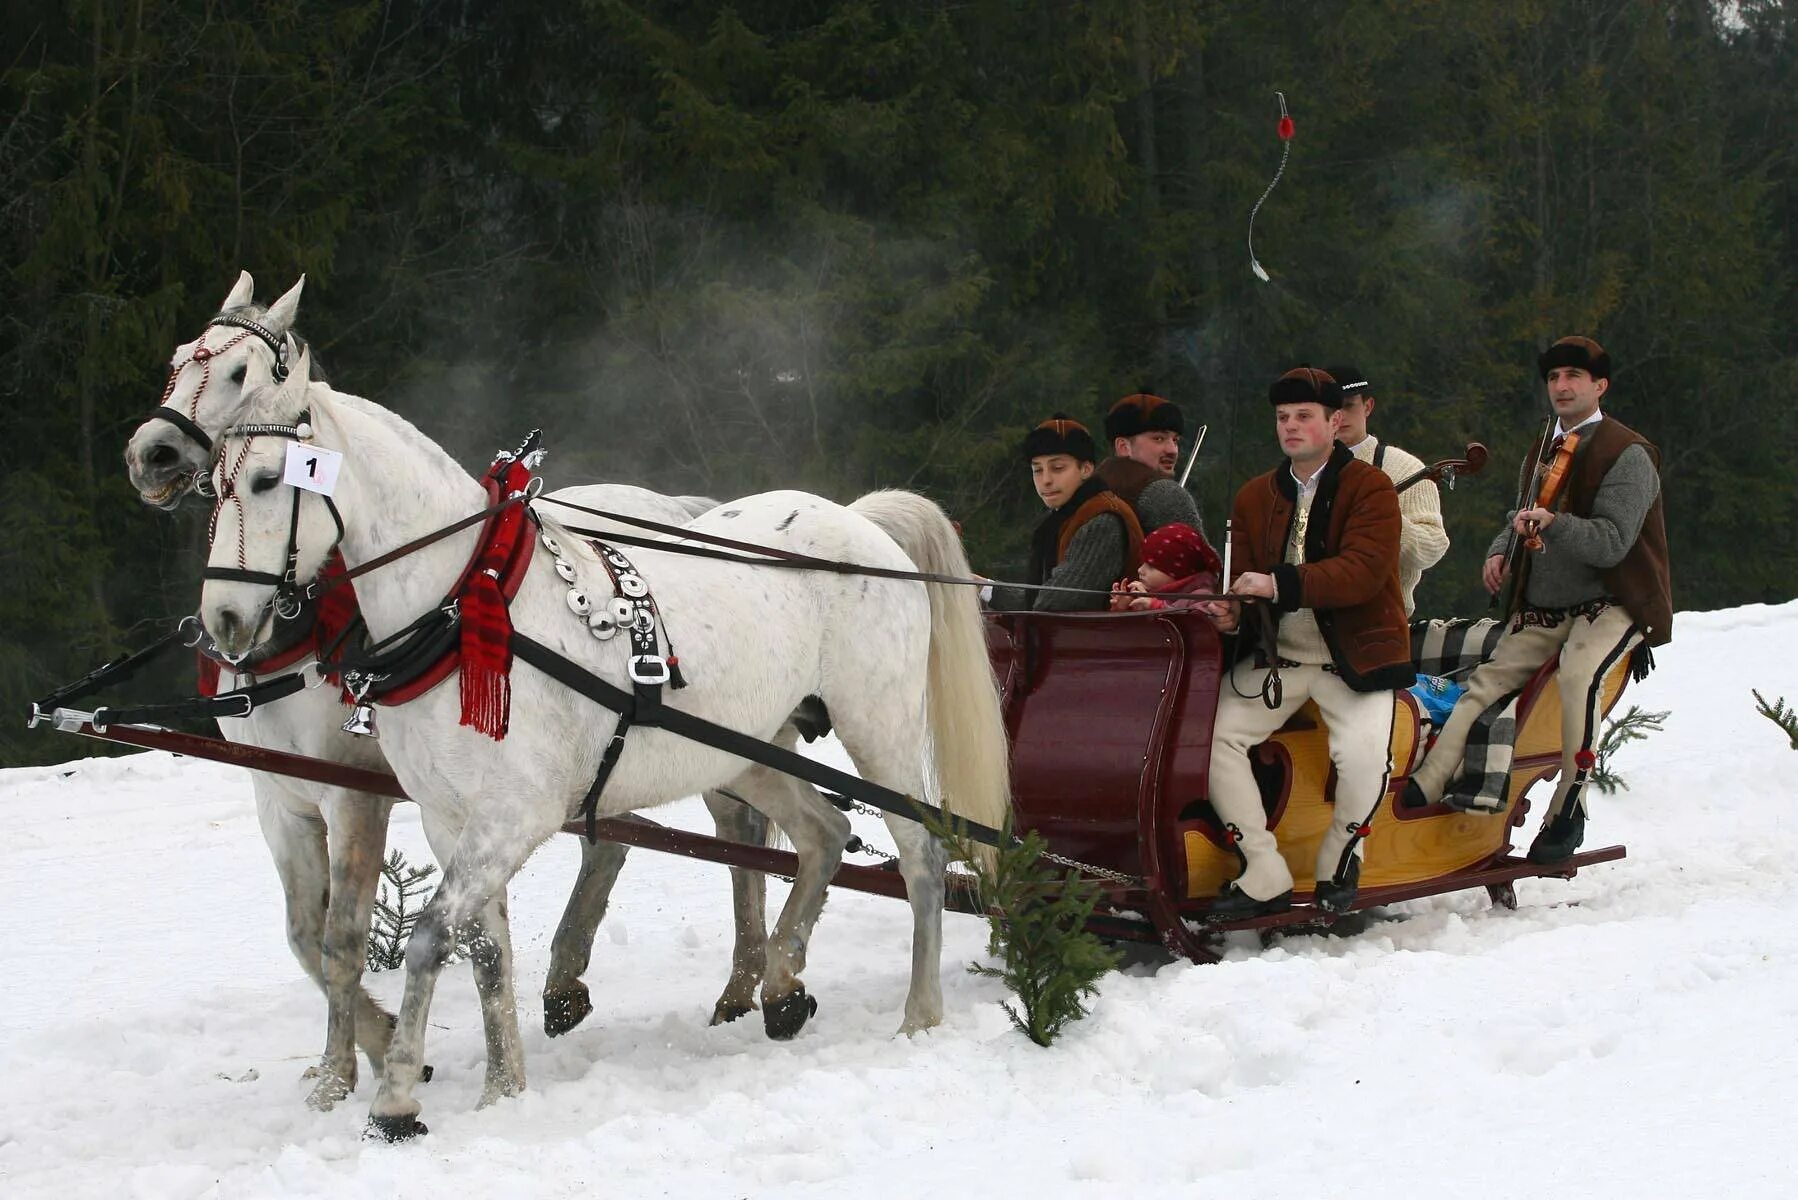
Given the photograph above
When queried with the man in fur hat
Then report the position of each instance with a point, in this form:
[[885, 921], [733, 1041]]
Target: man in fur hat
[[1144, 432], [1091, 537], [1424, 540], [1317, 537], [1598, 589]]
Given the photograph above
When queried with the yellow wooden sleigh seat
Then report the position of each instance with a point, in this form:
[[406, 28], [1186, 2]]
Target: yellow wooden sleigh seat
[[1405, 847]]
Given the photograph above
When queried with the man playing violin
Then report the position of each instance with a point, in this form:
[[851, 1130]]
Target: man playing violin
[[1583, 563]]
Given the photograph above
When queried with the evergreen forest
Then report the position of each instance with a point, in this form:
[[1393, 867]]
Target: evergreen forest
[[718, 248]]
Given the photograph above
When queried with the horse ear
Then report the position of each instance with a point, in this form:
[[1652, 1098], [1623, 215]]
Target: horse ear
[[279, 318], [299, 365], [241, 292]]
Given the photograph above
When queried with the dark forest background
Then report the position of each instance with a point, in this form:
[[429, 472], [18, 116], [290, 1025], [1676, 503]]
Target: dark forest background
[[718, 248]]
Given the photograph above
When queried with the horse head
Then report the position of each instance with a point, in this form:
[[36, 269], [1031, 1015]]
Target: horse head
[[268, 537], [171, 452]]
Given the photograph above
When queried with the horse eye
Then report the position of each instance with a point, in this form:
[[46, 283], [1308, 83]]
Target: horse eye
[[237, 374], [264, 481]]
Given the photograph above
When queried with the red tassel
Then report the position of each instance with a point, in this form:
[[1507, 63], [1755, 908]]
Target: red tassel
[[486, 656], [1286, 129], [208, 669], [1585, 760]]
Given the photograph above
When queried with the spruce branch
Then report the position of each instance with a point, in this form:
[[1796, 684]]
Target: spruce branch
[[402, 895], [1779, 714], [1037, 930], [1633, 726]]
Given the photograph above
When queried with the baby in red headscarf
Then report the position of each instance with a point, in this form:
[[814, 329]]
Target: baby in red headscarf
[[1175, 558]]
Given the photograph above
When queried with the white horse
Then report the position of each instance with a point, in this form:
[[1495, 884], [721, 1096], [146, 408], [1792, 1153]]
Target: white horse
[[900, 665], [328, 842]]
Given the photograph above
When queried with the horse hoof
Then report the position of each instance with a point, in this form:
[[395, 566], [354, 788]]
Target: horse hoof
[[785, 1017], [724, 1013], [565, 1010], [329, 1090], [394, 1129]]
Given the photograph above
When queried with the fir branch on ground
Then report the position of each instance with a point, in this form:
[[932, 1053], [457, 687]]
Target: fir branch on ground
[[1037, 922], [1779, 714], [1633, 726], [402, 897]]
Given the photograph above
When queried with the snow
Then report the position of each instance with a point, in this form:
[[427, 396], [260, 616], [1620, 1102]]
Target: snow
[[1628, 1033]]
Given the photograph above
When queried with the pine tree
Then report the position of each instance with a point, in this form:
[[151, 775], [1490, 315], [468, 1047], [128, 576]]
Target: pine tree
[[1779, 714], [1633, 726], [403, 895]]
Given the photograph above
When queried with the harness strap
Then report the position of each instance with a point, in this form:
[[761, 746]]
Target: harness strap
[[113, 671], [753, 749], [180, 420], [239, 703]]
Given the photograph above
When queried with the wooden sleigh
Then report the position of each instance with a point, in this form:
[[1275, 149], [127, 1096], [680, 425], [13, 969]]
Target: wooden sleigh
[[1110, 718]]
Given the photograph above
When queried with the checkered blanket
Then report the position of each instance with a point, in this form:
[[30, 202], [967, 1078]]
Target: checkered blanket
[[1453, 649]]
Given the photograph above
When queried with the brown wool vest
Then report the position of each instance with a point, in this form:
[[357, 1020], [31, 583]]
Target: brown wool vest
[[1642, 582], [1105, 502]]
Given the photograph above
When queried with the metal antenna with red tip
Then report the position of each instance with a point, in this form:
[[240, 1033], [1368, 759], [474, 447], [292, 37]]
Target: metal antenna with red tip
[[1286, 130]]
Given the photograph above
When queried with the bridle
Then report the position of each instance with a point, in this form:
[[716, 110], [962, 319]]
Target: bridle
[[289, 597], [186, 421]]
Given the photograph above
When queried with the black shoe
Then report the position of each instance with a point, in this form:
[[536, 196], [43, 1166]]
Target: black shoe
[[1560, 837], [1234, 904], [1337, 894], [1412, 797]]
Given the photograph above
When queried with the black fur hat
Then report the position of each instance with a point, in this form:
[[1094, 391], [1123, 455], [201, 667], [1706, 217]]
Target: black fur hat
[[1306, 385], [1143, 412], [1060, 434], [1576, 351]]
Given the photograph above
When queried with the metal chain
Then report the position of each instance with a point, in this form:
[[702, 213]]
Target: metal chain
[[1106, 873]]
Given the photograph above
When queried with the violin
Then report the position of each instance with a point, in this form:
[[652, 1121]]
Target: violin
[[1553, 480]]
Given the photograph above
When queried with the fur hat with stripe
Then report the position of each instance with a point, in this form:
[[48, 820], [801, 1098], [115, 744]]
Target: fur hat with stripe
[[1060, 434], [1143, 412], [1306, 385]]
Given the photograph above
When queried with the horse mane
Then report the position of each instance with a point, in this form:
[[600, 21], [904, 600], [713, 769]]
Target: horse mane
[[255, 312], [260, 406]]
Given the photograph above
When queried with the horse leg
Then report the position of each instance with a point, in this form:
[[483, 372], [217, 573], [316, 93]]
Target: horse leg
[[477, 865], [295, 834], [566, 1002], [489, 941], [886, 748], [738, 822], [357, 840], [922, 860], [818, 833]]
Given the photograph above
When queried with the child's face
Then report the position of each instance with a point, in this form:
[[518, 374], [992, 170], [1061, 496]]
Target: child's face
[[1153, 578]]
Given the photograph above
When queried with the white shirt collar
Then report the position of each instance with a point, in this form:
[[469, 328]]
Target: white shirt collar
[[1307, 486], [1595, 418]]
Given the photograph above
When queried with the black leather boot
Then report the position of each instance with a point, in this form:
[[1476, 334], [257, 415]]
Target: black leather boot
[[1412, 797], [1560, 837], [1337, 894], [1234, 904]]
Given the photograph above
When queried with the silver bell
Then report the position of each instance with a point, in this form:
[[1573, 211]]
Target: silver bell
[[565, 569], [622, 610], [601, 625], [578, 603], [362, 721]]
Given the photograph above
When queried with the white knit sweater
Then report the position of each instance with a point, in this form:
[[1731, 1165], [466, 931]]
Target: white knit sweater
[[1424, 540]]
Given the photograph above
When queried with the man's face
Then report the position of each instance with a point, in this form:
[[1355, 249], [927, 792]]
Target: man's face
[[1159, 448], [1058, 476], [1574, 394], [1306, 430], [1355, 410]]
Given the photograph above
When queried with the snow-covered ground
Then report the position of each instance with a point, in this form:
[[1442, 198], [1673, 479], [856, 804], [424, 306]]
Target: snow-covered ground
[[1632, 1033]]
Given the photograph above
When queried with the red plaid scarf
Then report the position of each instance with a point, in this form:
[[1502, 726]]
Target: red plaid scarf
[[486, 644]]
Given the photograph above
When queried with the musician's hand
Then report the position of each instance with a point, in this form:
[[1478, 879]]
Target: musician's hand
[[1225, 615], [1542, 517], [1494, 574], [1253, 583]]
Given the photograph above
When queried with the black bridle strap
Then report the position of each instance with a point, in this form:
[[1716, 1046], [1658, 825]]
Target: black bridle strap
[[117, 670], [262, 332], [181, 421], [239, 703], [242, 575], [753, 749]]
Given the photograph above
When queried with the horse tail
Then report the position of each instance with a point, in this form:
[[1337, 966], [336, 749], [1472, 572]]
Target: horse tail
[[967, 729]]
